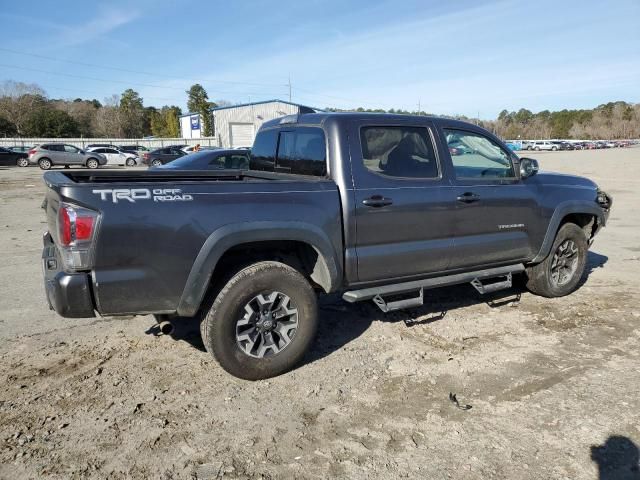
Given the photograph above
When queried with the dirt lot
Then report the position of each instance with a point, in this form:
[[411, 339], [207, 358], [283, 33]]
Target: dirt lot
[[553, 384]]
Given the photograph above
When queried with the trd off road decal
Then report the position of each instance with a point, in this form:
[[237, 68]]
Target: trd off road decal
[[134, 194]]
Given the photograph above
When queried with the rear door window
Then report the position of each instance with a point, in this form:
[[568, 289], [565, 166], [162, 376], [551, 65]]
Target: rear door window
[[405, 152]]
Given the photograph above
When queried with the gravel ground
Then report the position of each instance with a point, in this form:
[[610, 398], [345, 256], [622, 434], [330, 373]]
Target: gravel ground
[[552, 384]]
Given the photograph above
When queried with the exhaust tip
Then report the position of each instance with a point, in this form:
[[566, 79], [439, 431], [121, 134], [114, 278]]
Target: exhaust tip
[[166, 328]]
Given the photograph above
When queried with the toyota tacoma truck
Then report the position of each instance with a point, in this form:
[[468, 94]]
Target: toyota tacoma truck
[[373, 206]]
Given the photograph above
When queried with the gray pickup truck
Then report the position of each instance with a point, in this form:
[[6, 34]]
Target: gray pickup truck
[[376, 207]]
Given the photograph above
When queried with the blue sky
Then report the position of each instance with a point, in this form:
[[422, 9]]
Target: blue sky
[[462, 57]]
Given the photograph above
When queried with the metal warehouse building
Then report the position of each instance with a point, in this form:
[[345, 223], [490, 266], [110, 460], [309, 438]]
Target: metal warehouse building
[[236, 126]]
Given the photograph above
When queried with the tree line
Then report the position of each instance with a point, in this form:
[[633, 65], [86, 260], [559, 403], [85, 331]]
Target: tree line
[[613, 120], [27, 111]]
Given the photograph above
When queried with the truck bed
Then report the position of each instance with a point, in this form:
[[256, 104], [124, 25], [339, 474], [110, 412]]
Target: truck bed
[[155, 226]]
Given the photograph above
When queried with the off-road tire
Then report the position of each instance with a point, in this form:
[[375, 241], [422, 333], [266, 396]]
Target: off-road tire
[[218, 327], [44, 164], [539, 276]]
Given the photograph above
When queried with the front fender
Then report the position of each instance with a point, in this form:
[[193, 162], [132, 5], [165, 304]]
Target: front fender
[[562, 210], [231, 235]]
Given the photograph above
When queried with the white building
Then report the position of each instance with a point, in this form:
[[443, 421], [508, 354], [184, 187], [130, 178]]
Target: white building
[[236, 126]]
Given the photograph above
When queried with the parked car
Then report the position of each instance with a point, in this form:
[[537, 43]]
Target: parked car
[[158, 157], [513, 146], [544, 145], [210, 160], [9, 158], [133, 148], [50, 155], [20, 148], [245, 253], [115, 156], [527, 144], [562, 145]]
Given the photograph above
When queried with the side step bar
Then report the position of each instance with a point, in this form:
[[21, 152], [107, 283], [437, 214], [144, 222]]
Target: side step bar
[[475, 278]]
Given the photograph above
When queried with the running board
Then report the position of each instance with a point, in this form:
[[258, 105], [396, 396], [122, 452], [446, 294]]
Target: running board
[[428, 283]]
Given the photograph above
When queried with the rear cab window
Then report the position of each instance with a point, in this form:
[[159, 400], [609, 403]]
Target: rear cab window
[[295, 150]]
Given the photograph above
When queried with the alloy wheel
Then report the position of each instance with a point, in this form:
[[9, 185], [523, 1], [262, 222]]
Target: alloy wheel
[[564, 263], [268, 325]]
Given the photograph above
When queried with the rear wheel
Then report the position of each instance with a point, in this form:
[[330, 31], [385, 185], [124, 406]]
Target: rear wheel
[[92, 163], [262, 322], [130, 162], [559, 274], [23, 162], [44, 163], [156, 163]]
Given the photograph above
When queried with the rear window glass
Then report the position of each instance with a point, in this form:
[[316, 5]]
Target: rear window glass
[[263, 153], [300, 151]]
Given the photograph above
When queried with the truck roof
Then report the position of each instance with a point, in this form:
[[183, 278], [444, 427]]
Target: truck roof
[[323, 117]]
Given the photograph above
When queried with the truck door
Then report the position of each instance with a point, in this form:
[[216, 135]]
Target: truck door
[[404, 225], [495, 214]]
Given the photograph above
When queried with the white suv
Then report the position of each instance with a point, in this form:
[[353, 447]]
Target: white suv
[[544, 145]]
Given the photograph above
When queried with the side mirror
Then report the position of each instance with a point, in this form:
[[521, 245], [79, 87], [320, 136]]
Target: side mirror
[[528, 167]]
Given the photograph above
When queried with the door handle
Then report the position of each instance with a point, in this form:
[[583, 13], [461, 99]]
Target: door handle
[[468, 197], [377, 201]]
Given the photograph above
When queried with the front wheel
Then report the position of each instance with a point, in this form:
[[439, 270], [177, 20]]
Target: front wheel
[[262, 322], [92, 163], [130, 162], [23, 162], [560, 273]]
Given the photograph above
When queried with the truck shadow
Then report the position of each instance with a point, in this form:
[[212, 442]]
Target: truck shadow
[[341, 322], [617, 459]]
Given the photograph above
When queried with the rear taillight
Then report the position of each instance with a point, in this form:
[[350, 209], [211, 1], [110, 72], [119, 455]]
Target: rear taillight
[[145, 156], [31, 152], [76, 227]]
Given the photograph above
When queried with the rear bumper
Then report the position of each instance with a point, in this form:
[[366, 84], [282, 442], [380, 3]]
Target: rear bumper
[[69, 294]]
